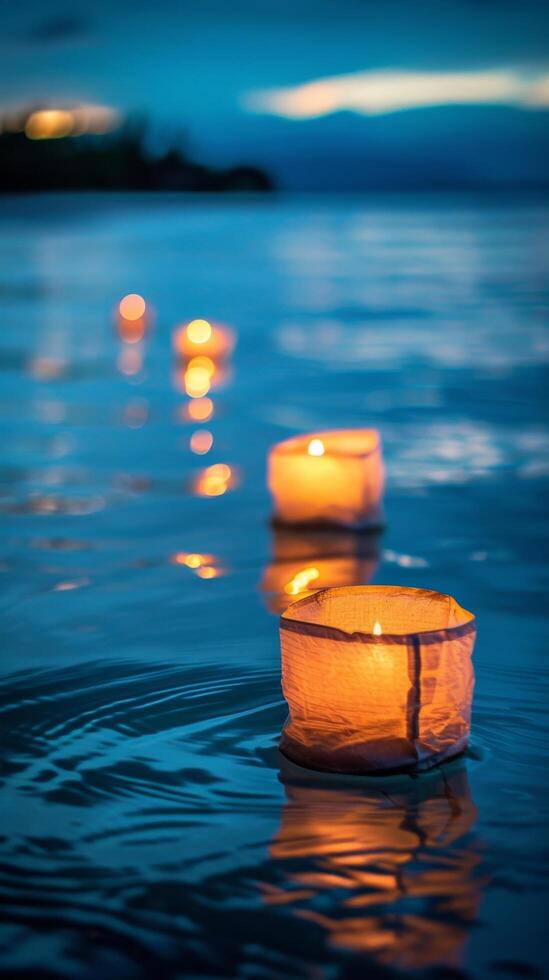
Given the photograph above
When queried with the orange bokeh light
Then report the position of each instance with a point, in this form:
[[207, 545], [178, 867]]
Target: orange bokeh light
[[201, 442], [207, 571], [200, 409], [214, 481], [199, 331], [197, 382], [132, 306], [49, 124]]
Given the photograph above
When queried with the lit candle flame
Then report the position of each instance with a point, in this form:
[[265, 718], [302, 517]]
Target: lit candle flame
[[316, 447], [301, 580], [377, 628]]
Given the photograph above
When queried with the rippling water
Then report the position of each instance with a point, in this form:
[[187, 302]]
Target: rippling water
[[149, 826]]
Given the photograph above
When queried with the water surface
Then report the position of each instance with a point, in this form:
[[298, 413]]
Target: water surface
[[149, 826]]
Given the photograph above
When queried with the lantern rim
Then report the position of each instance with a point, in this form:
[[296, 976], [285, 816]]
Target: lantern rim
[[295, 445], [295, 625]]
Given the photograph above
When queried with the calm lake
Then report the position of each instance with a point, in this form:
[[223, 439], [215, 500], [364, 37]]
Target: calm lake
[[149, 826]]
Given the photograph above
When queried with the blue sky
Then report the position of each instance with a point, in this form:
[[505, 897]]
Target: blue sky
[[194, 65]]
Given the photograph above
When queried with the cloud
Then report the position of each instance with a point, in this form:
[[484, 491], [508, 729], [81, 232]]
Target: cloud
[[380, 92]]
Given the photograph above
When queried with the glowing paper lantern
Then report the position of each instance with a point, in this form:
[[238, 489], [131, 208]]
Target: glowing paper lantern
[[376, 678], [305, 560], [202, 338], [133, 317], [328, 478]]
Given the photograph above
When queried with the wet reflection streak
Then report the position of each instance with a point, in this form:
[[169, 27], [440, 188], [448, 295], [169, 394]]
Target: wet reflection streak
[[386, 872]]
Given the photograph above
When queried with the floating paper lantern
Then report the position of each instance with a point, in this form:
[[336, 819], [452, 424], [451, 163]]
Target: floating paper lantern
[[387, 871], [376, 678], [133, 318], [328, 478], [202, 338], [306, 559]]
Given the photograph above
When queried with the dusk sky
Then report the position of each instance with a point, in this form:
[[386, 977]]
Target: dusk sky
[[231, 75]]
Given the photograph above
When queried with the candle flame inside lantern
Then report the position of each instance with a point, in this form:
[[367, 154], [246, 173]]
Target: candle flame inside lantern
[[316, 447], [377, 628], [301, 580], [199, 331]]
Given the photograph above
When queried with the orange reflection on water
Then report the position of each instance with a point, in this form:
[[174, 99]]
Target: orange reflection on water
[[200, 409], [198, 381], [201, 442], [214, 480], [301, 580], [387, 872], [204, 566], [130, 360], [49, 124], [306, 560]]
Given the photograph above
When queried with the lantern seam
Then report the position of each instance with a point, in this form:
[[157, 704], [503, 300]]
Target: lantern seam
[[404, 639]]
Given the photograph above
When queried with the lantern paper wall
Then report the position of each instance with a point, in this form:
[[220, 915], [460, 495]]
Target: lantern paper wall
[[385, 871], [305, 560], [376, 678], [328, 478]]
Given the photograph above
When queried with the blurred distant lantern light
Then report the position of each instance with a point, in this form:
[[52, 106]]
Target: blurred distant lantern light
[[214, 481], [328, 478], [192, 559], [47, 368], [133, 317], [48, 124], [376, 678], [200, 337], [198, 382], [132, 306], [201, 442], [130, 360], [200, 409], [305, 560]]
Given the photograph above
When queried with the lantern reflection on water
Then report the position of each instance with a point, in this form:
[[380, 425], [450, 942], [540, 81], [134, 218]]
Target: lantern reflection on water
[[215, 480], [385, 871], [328, 478], [360, 700], [305, 560]]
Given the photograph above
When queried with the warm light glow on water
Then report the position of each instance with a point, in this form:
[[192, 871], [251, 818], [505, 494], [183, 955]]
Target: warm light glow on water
[[199, 331], [377, 628], [316, 448], [207, 571], [48, 124], [301, 581], [200, 410], [202, 363], [197, 382], [132, 306], [201, 442], [130, 361], [214, 481]]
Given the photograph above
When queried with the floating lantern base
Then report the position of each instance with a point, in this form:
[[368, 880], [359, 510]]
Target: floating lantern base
[[359, 766], [372, 522]]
